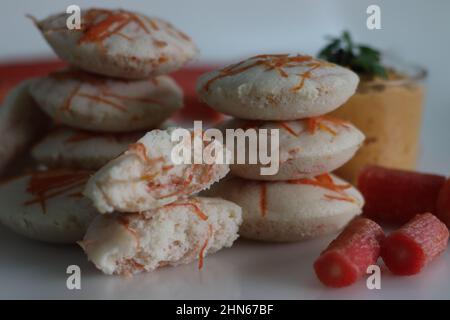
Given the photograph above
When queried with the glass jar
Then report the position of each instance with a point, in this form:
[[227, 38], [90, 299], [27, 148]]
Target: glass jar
[[389, 113]]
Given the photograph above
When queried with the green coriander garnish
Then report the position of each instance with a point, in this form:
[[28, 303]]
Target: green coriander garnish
[[362, 59]]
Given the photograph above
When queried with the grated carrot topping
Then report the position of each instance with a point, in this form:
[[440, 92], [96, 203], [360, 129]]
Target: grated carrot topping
[[105, 96], [173, 31], [110, 25], [135, 18], [202, 216], [201, 255], [134, 265], [326, 128], [322, 181], [277, 62], [159, 43], [97, 32], [153, 24], [286, 127], [340, 198], [148, 176], [103, 100], [124, 36], [306, 75], [326, 181], [140, 149], [320, 122], [139, 99], [230, 71], [48, 184], [184, 36], [67, 104], [163, 59], [167, 168], [182, 186]]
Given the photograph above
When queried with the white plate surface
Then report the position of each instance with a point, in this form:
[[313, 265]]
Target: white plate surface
[[249, 270]]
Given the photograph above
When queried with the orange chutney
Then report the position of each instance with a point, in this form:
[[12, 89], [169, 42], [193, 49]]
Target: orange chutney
[[389, 113]]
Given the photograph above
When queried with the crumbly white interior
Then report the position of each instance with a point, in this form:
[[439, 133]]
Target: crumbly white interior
[[134, 183], [167, 236]]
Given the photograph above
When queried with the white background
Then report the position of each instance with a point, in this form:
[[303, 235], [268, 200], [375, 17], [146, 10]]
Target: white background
[[416, 30]]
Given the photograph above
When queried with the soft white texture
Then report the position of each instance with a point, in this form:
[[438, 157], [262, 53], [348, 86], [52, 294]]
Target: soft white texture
[[134, 52], [167, 236], [294, 212], [263, 92], [72, 148], [303, 153], [145, 177], [89, 102], [64, 220]]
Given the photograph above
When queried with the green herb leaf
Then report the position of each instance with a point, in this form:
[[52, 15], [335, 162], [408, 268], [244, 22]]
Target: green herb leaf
[[360, 58]]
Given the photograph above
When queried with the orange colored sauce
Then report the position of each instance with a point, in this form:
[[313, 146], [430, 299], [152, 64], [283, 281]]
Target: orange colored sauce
[[390, 114]]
